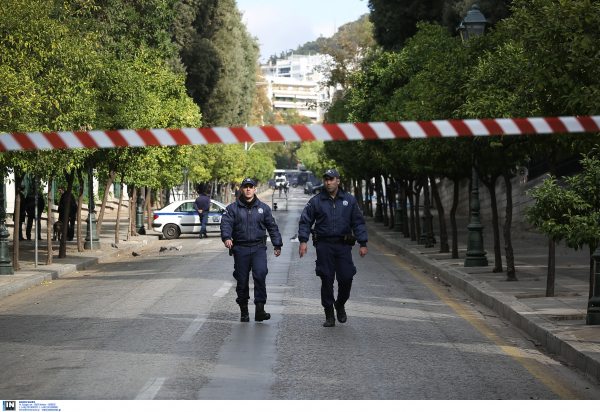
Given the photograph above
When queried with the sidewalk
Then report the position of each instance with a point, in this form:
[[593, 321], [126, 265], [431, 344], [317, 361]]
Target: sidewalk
[[557, 323], [30, 276]]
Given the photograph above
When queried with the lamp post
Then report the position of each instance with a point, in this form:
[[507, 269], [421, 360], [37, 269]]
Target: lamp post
[[475, 252], [91, 232], [472, 26], [399, 225], [5, 262], [139, 214]]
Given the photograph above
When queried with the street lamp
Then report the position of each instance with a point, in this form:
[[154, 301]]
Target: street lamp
[[139, 213], [472, 26]]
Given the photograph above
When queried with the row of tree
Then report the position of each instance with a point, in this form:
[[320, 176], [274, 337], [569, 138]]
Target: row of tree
[[126, 64], [540, 61]]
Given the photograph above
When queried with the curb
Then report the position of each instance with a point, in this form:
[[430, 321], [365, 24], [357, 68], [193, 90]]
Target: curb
[[29, 280], [579, 354]]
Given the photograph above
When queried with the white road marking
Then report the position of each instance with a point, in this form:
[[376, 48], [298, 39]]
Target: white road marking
[[224, 289], [193, 328], [204, 242], [150, 389]]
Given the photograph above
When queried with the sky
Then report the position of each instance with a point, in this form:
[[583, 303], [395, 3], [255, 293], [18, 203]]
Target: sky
[[284, 24]]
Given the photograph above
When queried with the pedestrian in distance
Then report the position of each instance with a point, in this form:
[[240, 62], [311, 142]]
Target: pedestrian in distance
[[338, 225], [202, 207], [243, 231], [31, 199], [22, 210], [286, 186]]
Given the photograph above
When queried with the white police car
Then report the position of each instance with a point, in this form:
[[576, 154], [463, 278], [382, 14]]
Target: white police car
[[180, 218]]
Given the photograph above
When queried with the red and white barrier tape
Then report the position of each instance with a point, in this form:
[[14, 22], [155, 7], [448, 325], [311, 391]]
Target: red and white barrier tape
[[345, 131]]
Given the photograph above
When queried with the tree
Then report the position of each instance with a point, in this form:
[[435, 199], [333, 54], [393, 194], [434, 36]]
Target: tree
[[395, 21], [220, 58], [569, 213], [345, 50]]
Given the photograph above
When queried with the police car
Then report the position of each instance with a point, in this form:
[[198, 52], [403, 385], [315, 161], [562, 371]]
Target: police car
[[180, 218]]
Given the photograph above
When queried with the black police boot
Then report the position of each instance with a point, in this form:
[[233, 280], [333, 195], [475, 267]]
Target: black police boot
[[260, 314], [329, 317], [245, 316], [341, 312]]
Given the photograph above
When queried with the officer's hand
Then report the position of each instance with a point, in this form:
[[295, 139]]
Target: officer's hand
[[228, 244], [277, 252], [363, 251], [303, 250]]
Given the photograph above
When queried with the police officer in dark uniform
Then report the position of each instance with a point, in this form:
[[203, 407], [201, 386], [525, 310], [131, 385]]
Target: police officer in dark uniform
[[243, 230], [338, 225]]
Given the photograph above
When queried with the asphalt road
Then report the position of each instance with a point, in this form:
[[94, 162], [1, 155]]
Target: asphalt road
[[166, 326]]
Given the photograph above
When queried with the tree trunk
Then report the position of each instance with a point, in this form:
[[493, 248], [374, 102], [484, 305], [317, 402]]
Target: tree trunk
[[49, 225], [111, 178], [384, 202], [453, 209], [147, 207], [429, 243], [406, 222], [119, 212], [551, 268], [17, 220], [417, 202], [392, 202], [592, 265], [132, 213], [411, 199], [551, 276], [510, 257], [62, 251], [79, 207], [470, 197], [444, 247], [491, 185]]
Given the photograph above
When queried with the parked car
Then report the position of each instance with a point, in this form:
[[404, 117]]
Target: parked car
[[317, 189], [180, 218]]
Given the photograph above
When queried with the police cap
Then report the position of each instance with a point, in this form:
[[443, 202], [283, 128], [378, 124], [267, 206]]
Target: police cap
[[248, 181], [332, 173]]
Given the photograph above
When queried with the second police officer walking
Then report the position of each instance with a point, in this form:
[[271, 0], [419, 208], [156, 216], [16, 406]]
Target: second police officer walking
[[243, 230], [338, 225]]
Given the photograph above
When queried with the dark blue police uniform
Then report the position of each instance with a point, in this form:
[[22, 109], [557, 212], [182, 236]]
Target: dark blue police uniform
[[333, 220], [246, 225]]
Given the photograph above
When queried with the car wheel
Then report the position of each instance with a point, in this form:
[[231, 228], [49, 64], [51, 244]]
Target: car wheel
[[171, 231], [294, 186]]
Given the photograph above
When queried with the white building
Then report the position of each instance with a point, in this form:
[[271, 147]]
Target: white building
[[293, 83]]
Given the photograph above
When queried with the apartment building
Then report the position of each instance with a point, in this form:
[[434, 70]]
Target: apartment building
[[293, 83]]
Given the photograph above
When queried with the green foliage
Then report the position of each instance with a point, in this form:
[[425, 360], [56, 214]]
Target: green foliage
[[569, 213], [220, 58], [314, 158], [395, 21]]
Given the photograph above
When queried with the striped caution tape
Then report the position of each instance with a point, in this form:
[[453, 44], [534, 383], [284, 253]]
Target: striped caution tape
[[326, 132]]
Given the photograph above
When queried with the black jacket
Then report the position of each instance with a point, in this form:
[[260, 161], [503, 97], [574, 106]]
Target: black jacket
[[333, 217], [241, 224], [31, 204]]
